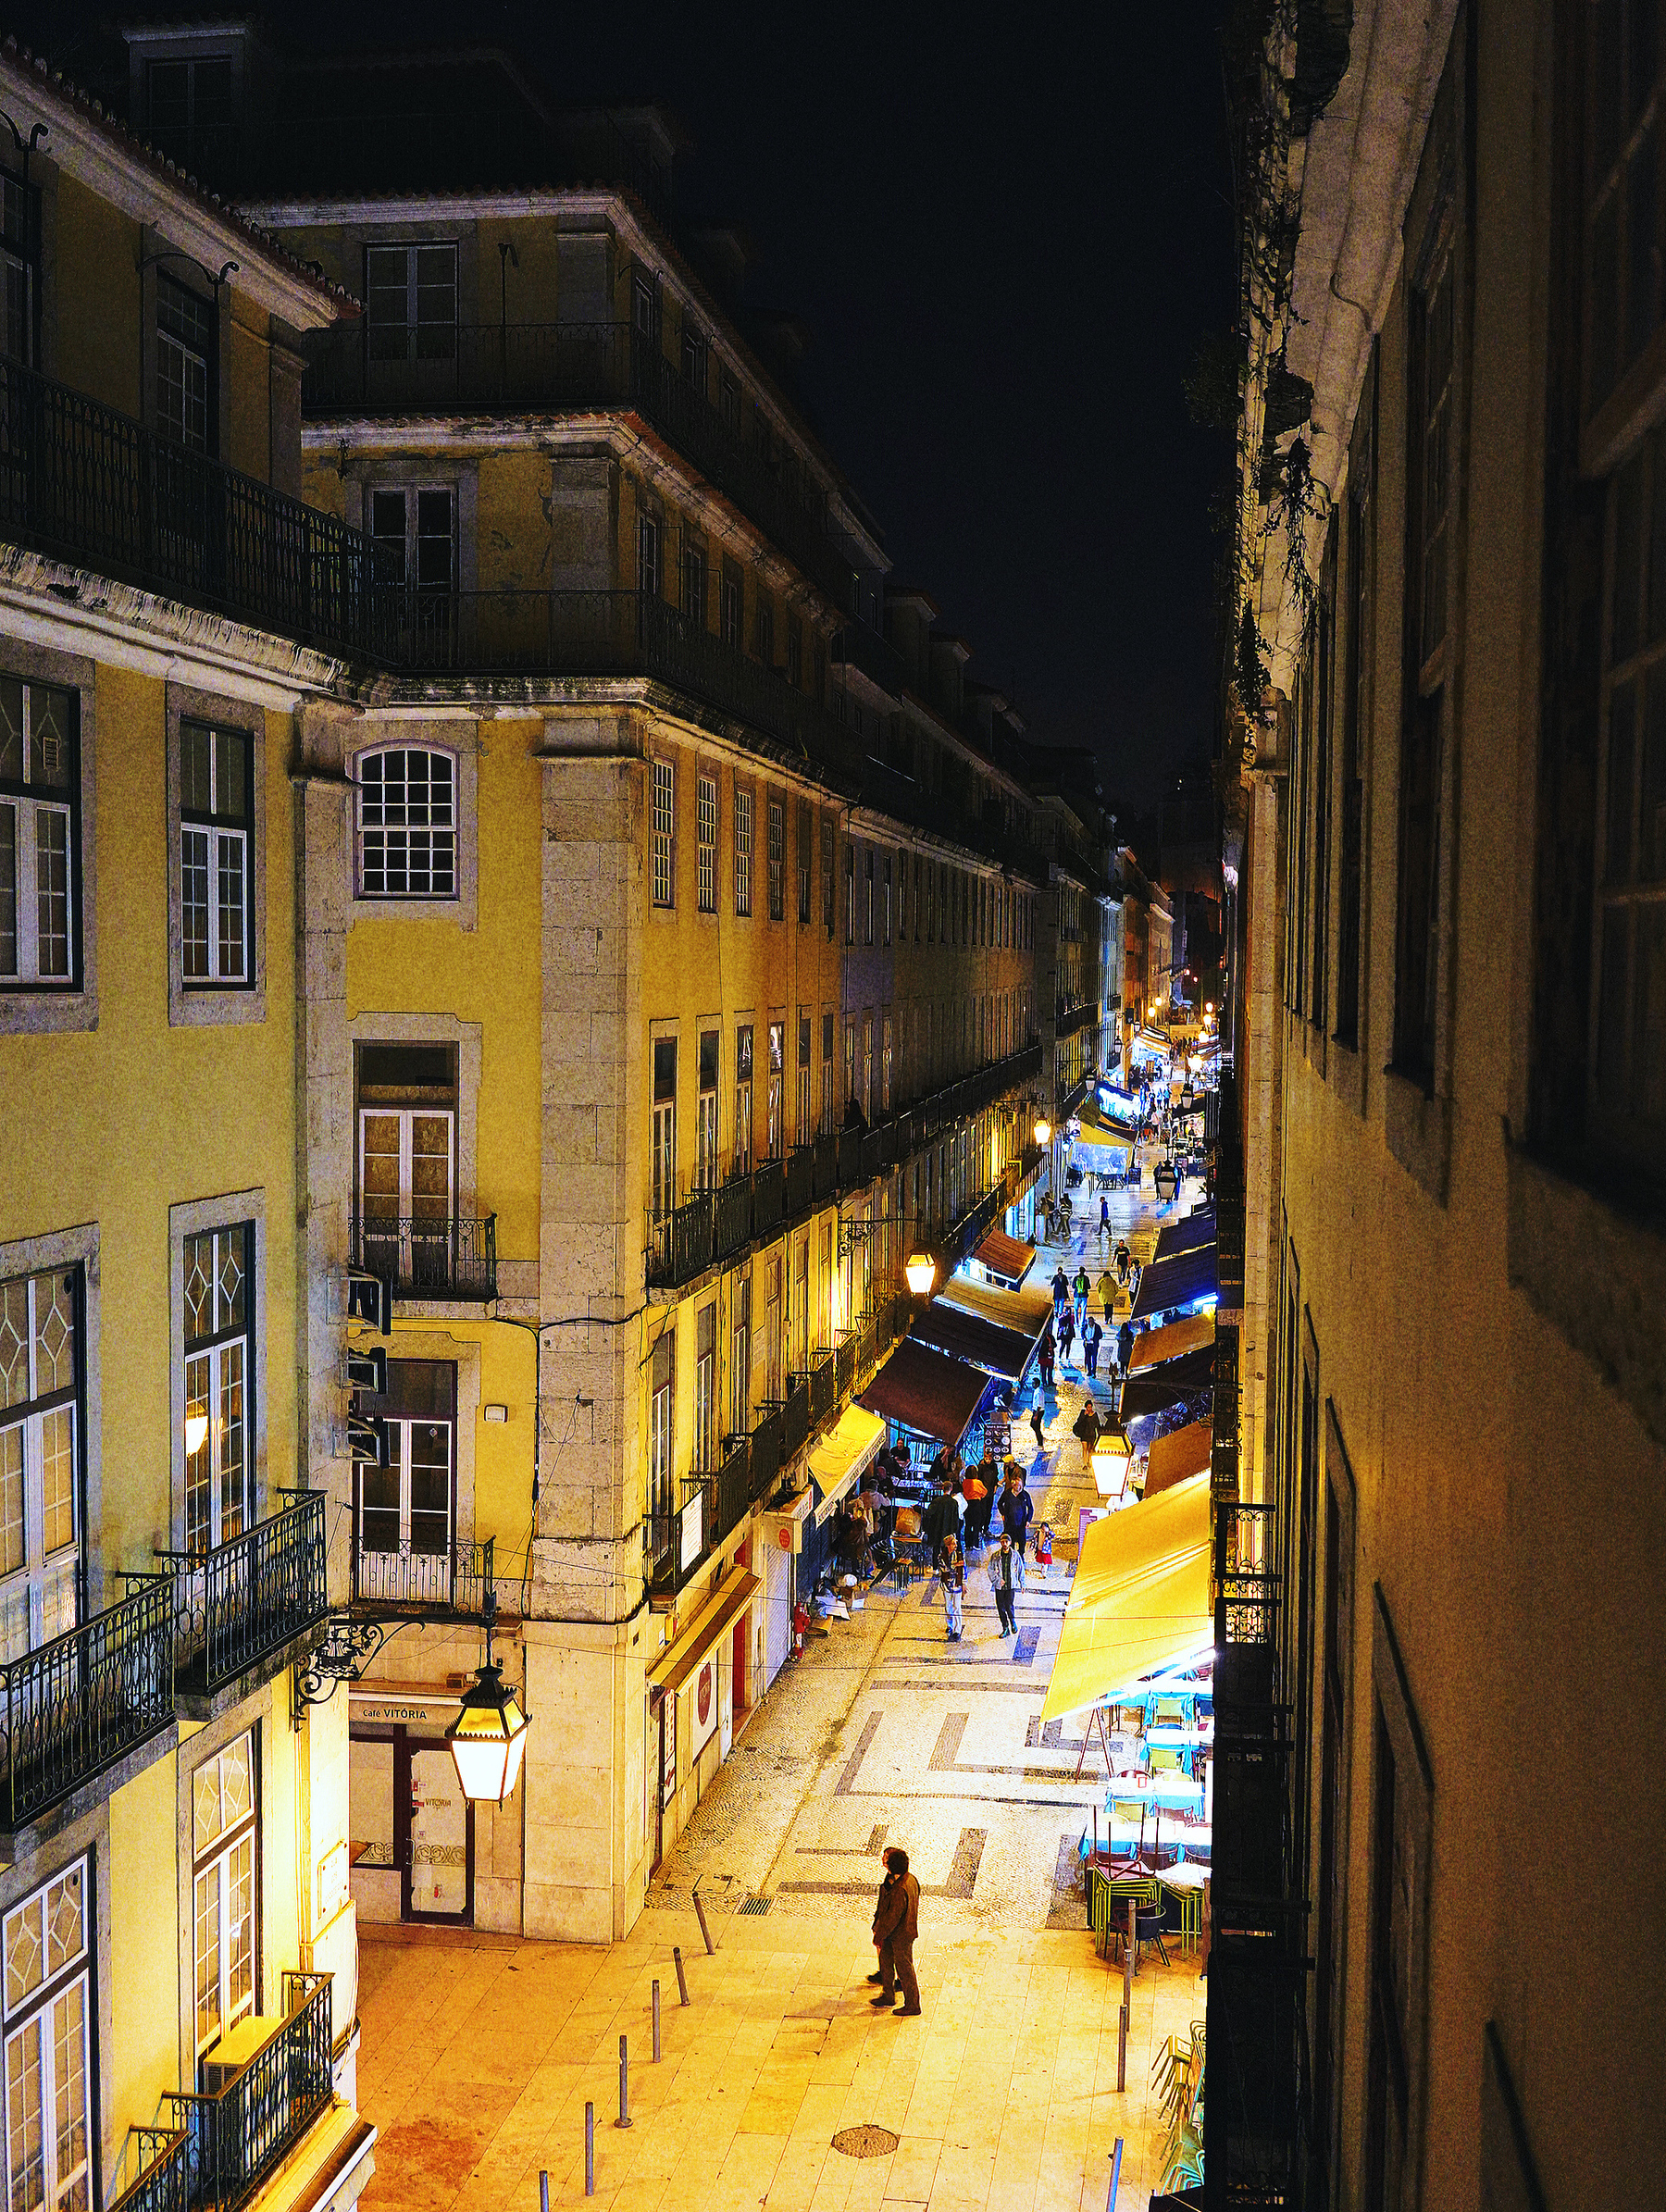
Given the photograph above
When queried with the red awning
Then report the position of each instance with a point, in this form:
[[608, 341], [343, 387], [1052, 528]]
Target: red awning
[[1005, 1257], [926, 1391]]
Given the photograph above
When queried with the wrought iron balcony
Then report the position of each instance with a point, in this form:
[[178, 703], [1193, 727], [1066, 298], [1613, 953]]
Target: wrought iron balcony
[[573, 368], [606, 634], [453, 1580], [676, 1544], [244, 2132], [161, 2172], [84, 484], [728, 1489], [76, 1705], [249, 1599], [795, 1417], [1071, 1014], [860, 646], [431, 1255]]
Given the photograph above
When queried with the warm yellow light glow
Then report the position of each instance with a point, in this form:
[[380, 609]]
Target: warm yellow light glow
[[196, 1433], [487, 1739], [1209, 1008], [1043, 1130], [1111, 1455], [921, 1271]]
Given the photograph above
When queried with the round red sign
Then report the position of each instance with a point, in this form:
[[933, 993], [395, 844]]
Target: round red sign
[[703, 1696]]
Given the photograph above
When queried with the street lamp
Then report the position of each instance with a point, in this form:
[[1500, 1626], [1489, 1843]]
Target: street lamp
[[1111, 1456], [921, 1271], [487, 1738], [1043, 1131], [196, 1433]]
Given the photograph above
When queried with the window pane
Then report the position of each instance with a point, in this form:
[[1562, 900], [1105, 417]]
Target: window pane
[[66, 1920], [231, 792], [196, 782], [11, 730], [238, 1880], [194, 904], [231, 1248], [230, 853], [8, 889], [58, 1479], [70, 2085], [233, 1484], [26, 2156], [49, 711], [55, 1333], [199, 1264], [208, 1918], [52, 890], [11, 1499], [25, 1950]]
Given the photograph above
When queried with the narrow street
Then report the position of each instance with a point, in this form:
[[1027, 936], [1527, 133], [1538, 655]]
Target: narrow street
[[479, 2053]]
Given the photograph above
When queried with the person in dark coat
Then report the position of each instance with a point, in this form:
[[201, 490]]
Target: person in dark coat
[[1060, 1290], [1017, 1509], [1066, 1333], [943, 1519], [1044, 1356], [1091, 1336], [1125, 1344], [896, 1930]]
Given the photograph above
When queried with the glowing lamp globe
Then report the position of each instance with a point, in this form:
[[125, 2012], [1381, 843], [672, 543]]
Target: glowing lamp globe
[[1111, 1456], [196, 1433], [1043, 1130], [487, 1739], [921, 1271]]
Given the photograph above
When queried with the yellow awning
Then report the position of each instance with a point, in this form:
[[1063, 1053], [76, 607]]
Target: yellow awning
[[1109, 1140], [1139, 1601], [847, 1451], [1152, 1346], [679, 1661]]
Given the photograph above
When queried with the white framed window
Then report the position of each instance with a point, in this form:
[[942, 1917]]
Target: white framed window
[[662, 1423], [740, 1359], [804, 1130], [664, 1126], [184, 366], [39, 857], [707, 1125], [743, 851], [777, 834], [413, 536], [411, 300], [405, 1507], [706, 1388], [885, 1067], [224, 1891], [744, 1097], [776, 1047], [665, 833], [49, 2098], [216, 855], [218, 1385], [706, 813], [407, 823], [40, 1392]]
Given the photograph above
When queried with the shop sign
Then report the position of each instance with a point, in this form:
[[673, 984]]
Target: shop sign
[[703, 1698]]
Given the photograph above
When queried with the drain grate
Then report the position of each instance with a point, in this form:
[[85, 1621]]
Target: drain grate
[[867, 2141], [756, 1907]]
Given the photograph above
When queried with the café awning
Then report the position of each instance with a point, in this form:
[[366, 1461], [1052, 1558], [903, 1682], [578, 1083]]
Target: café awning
[[844, 1454], [1106, 1140], [1153, 1346], [1139, 1601], [1178, 1281], [1160, 1388], [926, 1391], [1188, 1236], [1028, 1309], [998, 1352], [1178, 1456], [678, 1659], [1006, 1255]]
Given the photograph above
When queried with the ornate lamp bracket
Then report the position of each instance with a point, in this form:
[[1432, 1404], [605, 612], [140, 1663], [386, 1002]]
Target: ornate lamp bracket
[[350, 1644]]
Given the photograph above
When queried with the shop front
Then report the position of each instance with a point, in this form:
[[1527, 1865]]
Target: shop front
[[700, 1688], [412, 1830]]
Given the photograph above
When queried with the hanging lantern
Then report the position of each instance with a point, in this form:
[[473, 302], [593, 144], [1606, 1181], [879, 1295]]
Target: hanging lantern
[[487, 1738], [921, 1271]]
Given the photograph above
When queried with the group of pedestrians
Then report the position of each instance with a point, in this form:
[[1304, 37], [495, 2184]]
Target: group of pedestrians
[[956, 1525]]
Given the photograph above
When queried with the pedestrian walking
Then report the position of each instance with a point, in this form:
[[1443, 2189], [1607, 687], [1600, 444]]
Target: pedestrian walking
[[1060, 1290], [896, 1927], [1104, 1219], [1091, 1336], [1123, 1257], [976, 1521], [1086, 1428], [1107, 1293], [951, 1573], [1081, 1287], [1006, 1579], [1017, 1509], [1066, 1333], [1038, 1409], [1044, 1355], [1125, 1344]]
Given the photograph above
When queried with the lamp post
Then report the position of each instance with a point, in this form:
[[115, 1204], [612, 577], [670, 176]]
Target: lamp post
[[487, 1738]]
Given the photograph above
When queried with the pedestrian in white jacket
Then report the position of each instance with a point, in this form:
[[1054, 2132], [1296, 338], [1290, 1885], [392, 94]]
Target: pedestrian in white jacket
[[1006, 1579]]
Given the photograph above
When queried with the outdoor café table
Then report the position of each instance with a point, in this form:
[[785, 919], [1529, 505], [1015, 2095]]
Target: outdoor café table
[[1156, 1789], [1167, 1736]]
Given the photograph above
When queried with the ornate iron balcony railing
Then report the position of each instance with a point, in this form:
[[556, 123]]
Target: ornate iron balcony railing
[[83, 483], [573, 368], [676, 1544], [161, 2181], [76, 1705], [428, 1256], [237, 2136], [249, 1597], [453, 1580]]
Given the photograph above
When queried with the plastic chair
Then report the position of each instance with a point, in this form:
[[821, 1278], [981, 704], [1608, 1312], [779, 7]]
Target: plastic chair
[[1164, 1761]]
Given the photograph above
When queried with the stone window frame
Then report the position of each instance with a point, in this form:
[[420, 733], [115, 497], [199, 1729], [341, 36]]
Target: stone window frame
[[43, 1013], [464, 1354], [390, 1029], [89, 1838], [207, 1006], [461, 741], [185, 1220], [260, 1714]]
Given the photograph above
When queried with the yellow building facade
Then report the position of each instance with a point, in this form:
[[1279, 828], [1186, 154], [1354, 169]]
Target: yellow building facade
[[178, 1940]]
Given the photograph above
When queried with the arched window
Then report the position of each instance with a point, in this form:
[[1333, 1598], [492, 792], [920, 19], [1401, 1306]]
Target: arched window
[[407, 823]]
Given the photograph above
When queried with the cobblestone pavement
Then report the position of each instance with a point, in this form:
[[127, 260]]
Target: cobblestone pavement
[[479, 2051]]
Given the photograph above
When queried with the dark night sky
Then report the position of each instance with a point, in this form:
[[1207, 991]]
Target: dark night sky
[[1006, 246]]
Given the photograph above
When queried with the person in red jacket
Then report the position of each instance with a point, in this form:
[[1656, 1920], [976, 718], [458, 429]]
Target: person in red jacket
[[896, 1926]]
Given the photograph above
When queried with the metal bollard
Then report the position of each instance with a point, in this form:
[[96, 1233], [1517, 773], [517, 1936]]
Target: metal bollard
[[656, 2025], [624, 2119], [1122, 2046], [700, 1916], [682, 1979], [590, 2150], [543, 2193], [1115, 2175]]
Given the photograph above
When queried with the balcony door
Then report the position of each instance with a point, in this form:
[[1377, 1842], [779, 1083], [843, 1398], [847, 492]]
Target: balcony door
[[408, 1127], [40, 1394], [407, 1507], [410, 321]]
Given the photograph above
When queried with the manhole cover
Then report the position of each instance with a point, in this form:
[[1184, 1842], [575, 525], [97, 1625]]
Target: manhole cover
[[867, 2141]]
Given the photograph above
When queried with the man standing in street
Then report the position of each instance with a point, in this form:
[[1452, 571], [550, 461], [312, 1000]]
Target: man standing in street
[[951, 1573], [1037, 1408], [1017, 1509], [896, 1925], [1006, 1579]]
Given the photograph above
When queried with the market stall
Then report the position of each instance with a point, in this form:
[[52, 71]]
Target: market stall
[[1004, 1260], [1183, 1283], [929, 1399], [972, 1337]]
